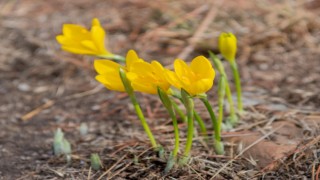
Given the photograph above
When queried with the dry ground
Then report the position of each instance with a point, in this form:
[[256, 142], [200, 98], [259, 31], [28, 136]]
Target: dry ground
[[43, 88]]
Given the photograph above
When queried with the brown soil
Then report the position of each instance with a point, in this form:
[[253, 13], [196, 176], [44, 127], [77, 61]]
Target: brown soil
[[43, 88]]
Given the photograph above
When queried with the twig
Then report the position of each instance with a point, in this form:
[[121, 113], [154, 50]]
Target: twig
[[317, 173], [37, 110], [89, 174], [114, 165], [199, 175], [50, 103], [125, 167], [244, 150]]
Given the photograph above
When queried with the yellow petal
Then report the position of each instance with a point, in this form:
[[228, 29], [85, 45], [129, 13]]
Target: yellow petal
[[106, 66], [181, 68], [144, 87], [89, 45], [110, 81], [98, 37], [202, 67], [158, 69], [131, 76], [228, 45], [96, 22], [76, 32], [77, 50], [141, 68], [172, 78], [131, 58]]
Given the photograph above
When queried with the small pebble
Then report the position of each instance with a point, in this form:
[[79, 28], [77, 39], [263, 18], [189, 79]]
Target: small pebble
[[24, 87]]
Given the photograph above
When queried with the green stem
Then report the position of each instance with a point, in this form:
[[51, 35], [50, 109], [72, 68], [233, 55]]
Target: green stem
[[221, 95], [143, 120], [236, 75], [189, 133], [176, 133], [188, 102], [202, 126], [114, 57], [233, 118], [217, 62], [216, 126], [179, 111], [137, 108]]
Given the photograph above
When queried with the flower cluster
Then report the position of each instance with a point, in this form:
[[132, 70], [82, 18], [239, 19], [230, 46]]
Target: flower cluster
[[186, 82]]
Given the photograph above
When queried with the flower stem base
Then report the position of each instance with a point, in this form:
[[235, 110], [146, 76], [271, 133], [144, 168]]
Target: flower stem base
[[219, 147]]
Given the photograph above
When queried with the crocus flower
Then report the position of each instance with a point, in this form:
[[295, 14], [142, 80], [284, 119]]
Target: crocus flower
[[228, 46], [108, 71], [147, 77], [196, 78], [78, 40]]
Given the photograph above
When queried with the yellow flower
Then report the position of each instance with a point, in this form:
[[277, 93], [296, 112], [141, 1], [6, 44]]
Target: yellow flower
[[78, 40], [228, 46], [147, 77], [196, 78], [108, 71]]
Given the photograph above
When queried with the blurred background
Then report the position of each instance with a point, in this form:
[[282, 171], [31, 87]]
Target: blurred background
[[42, 87]]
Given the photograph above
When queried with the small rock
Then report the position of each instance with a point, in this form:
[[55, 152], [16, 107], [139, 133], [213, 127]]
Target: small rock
[[24, 87]]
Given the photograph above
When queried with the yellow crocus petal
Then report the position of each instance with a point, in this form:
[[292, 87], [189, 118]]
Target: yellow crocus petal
[[98, 36], [141, 68], [96, 22], [106, 66], [158, 69], [79, 40], [111, 81], [202, 67], [228, 45], [203, 85], [147, 77], [181, 68], [90, 45], [131, 76], [131, 58], [76, 50], [109, 74], [75, 32], [173, 79], [143, 87], [195, 79]]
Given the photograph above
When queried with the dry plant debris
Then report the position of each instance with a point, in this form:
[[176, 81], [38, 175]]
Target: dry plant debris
[[42, 89]]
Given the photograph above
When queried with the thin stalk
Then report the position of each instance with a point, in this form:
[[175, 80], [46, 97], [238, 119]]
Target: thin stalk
[[233, 117], [143, 120], [114, 57], [168, 104], [221, 95], [216, 126], [179, 111], [188, 103], [203, 129], [189, 133], [236, 75], [137, 107], [217, 62], [176, 133]]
